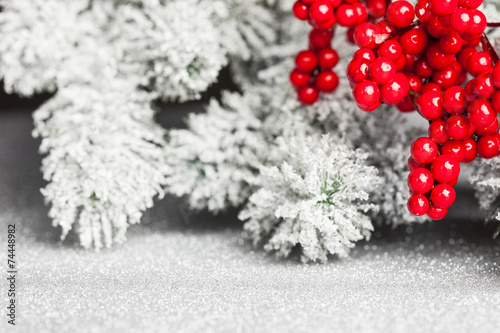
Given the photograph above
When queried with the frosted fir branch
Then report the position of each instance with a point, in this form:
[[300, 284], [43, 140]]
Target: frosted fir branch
[[215, 163], [315, 201], [175, 48], [105, 162], [486, 182]]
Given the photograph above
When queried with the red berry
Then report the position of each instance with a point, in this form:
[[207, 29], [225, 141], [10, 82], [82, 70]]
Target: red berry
[[483, 87], [457, 127], [418, 204], [335, 3], [450, 43], [470, 150], [382, 70], [346, 15], [410, 63], [435, 28], [443, 195], [429, 105], [490, 130], [465, 54], [357, 71], [470, 96], [437, 59], [445, 78], [400, 14], [376, 8], [454, 100], [422, 68], [371, 107], [390, 50], [455, 149], [306, 61], [299, 79], [406, 105], [423, 11], [437, 213], [488, 146], [301, 10], [479, 62], [321, 11], [385, 27], [431, 86], [395, 90], [424, 150], [412, 164], [324, 25], [443, 7], [326, 81], [470, 4], [437, 132], [461, 20], [415, 83], [420, 181], [361, 12], [495, 76], [364, 54], [400, 64], [366, 93], [328, 58], [308, 95], [495, 101], [479, 22], [481, 113], [445, 168], [413, 41], [365, 34], [319, 39]]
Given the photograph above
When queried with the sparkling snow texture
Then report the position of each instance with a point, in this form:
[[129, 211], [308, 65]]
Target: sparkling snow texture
[[200, 277]]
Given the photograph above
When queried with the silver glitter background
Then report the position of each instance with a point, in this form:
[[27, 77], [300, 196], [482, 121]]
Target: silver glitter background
[[186, 272]]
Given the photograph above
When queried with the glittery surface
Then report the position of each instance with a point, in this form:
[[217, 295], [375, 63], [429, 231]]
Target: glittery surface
[[186, 272]]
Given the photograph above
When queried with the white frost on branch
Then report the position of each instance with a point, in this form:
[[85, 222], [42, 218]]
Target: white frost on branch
[[104, 163], [316, 200], [216, 161], [486, 182]]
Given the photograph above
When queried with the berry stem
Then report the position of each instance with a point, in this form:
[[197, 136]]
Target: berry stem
[[382, 38], [413, 96], [485, 42], [493, 24]]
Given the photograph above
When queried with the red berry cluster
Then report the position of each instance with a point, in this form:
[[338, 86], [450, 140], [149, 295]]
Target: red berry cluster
[[314, 67], [422, 64]]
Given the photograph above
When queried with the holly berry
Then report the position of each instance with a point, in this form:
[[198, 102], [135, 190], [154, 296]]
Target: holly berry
[[437, 213], [306, 61], [445, 168], [420, 181], [424, 150], [308, 95], [481, 113], [418, 204], [299, 79], [321, 11], [488, 146], [443, 195], [326, 81], [400, 14], [366, 93]]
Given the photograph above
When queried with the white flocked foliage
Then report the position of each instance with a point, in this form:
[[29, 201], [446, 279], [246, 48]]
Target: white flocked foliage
[[108, 61], [316, 200], [103, 170]]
